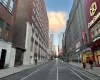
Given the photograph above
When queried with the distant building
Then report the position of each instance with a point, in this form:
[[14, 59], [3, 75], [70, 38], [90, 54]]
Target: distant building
[[52, 47], [60, 40], [52, 37]]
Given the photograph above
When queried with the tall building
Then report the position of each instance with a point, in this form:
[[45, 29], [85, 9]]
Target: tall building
[[60, 37], [60, 40], [31, 32], [51, 47], [50, 44], [76, 32], [52, 37], [7, 20], [83, 32], [92, 11], [64, 45]]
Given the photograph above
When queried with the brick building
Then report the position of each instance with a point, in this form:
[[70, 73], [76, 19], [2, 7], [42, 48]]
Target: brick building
[[7, 19]]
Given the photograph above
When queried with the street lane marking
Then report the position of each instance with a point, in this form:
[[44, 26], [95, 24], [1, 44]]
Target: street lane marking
[[30, 75], [33, 72], [77, 75], [83, 74], [57, 68], [57, 73]]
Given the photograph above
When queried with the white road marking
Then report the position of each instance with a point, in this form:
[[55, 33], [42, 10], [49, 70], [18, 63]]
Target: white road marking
[[77, 75], [33, 73], [57, 73], [83, 74], [57, 68], [30, 75]]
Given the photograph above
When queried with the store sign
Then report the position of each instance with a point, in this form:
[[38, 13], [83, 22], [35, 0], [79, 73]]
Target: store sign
[[96, 39], [93, 10], [94, 20]]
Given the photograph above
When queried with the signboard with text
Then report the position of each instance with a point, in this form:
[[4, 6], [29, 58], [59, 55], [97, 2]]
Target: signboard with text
[[92, 9]]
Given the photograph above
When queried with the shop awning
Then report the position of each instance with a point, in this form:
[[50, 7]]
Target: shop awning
[[83, 47]]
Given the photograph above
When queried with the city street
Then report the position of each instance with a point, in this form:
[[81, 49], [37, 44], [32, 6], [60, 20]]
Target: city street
[[54, 70]]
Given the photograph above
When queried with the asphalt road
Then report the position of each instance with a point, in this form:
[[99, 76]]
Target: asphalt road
[[54, 70]]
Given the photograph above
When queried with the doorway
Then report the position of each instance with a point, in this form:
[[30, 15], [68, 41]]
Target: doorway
[[19, 57], [2, 59]]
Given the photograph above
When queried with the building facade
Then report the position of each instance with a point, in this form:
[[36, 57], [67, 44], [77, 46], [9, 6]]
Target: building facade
[[92, 9], [64, 44], [60, 41], [52, 38], [31, 33], [76, 32], [52, 47], [7, 20]]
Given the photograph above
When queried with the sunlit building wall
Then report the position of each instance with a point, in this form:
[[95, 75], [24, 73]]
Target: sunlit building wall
[[31, 35]]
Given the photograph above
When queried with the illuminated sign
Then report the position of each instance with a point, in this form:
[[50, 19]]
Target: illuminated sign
[[93, 20], [93, 9]]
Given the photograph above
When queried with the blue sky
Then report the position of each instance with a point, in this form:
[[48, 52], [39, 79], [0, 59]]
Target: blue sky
[[58, 11], [59, 5]]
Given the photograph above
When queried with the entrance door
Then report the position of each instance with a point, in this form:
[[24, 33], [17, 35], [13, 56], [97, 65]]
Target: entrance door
[[2, 60], [19, 57]]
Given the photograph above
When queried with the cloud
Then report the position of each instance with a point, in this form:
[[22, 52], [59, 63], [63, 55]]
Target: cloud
[[57, 20]]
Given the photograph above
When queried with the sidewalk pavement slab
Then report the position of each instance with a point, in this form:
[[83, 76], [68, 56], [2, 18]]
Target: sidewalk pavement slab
[[95, 70], [14, 70]]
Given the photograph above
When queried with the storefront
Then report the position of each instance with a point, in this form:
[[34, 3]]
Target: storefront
[[95, 47], [86, 56]]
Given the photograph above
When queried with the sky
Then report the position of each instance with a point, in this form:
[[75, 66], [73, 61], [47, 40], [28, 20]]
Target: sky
[[58, 12]]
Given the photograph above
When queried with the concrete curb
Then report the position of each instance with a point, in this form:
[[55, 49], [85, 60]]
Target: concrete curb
[[23, 70], [85, 70]]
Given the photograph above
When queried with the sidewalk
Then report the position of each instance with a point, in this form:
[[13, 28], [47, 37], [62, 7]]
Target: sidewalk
[[95, 70], [14, 70]]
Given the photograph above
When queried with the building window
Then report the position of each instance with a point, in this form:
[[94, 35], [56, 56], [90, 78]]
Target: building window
[[1, 26], [6, 32], [32, 40], [4, 2], [98, 30], [95, 30], [92, 34], [11, 6], [7, 27]]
